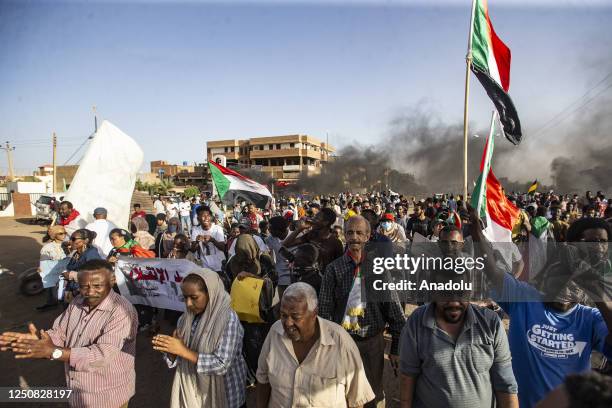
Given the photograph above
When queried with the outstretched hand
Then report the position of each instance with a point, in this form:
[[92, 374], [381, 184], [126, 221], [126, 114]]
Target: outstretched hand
[[8, 338], [34, 344]]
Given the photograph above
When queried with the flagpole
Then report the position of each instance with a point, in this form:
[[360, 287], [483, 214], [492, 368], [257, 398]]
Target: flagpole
[[468, 64]]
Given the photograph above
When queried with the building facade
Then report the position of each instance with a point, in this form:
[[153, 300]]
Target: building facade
[[170, 170], [282, 157]]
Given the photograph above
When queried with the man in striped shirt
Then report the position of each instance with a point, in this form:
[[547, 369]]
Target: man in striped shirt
[[95, 338]]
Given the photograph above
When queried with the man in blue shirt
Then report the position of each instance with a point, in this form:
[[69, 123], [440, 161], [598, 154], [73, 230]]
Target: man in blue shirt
[[551, 339]]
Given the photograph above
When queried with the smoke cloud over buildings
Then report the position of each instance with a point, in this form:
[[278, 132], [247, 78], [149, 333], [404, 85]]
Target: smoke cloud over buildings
[[421, 154]]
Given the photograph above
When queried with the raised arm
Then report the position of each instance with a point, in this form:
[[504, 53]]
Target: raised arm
[[483, 248]]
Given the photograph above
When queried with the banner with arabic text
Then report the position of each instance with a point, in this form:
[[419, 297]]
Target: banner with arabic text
[[153, 282]]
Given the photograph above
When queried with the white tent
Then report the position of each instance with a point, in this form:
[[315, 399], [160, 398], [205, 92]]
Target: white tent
[[106, 176]]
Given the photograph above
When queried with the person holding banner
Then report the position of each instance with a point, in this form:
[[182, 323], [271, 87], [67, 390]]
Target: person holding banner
[[206, 347], [124, 244]]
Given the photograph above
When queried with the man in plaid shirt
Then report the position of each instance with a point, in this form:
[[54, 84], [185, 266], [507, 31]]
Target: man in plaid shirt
[[335, 289]]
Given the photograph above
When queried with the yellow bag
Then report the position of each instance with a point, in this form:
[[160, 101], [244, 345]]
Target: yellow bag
[[245, 296]]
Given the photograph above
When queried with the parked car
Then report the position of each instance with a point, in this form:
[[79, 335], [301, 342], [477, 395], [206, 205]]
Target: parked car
[[47, 205]]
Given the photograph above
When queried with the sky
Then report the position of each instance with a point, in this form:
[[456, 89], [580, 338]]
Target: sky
[[175, 74]]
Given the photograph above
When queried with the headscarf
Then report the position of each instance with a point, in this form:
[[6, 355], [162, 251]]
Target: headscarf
[[127, 237], [191, 389], [54, 230], [247, 256], [141, 224], [167, 241]]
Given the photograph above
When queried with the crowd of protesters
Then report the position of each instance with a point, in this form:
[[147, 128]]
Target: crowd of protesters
[[321, 341]]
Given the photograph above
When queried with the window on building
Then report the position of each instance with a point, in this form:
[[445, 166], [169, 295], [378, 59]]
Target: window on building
[[271, 147], [278, 146], [225, 150], [292, 145]]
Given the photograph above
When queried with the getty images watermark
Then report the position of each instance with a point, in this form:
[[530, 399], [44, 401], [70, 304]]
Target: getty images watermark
[[406, 264]]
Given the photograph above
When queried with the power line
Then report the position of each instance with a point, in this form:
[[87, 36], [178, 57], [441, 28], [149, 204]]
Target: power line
[[562, 113], [582, 105], [79, 148]]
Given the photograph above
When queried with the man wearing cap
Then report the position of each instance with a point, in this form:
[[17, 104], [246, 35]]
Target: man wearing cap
[[391, 229], [102, 227]]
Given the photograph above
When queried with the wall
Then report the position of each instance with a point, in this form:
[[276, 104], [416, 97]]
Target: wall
[[26, 187], [21, 205]]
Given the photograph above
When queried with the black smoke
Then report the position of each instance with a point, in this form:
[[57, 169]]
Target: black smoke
[[423, 155]]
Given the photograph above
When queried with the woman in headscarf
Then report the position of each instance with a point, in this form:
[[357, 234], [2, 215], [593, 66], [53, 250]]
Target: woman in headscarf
[[206, 347], [248, 262], [52, 251], [81, 245], [140, 231], [124, 244]]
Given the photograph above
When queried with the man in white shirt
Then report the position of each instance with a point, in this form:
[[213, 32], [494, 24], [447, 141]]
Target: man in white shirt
[[208, 240], [171, 209], [158, 206], [308, 361], [184, 211], [102, 227]]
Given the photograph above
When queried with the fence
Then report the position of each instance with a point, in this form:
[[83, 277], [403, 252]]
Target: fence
[[34, 197], [5, 200]]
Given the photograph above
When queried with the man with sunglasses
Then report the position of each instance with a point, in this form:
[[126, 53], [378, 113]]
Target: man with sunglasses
[[454, 353]]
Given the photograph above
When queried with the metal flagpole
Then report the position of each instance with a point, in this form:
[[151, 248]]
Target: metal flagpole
[[468, 64], [54, 162]]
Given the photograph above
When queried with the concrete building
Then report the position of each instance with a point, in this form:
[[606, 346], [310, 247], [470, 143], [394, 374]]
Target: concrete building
[[282, 157], [170, 170]]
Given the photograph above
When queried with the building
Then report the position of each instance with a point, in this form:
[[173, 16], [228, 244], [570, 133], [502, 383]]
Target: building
[[170, 170], [282, 157], [44, 170], [65, 174]]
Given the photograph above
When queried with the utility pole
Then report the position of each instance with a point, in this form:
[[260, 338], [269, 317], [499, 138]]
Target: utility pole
[[54, 164], [9, 154]]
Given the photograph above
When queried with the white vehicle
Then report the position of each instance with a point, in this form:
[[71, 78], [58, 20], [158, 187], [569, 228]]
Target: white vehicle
[[47, 206]]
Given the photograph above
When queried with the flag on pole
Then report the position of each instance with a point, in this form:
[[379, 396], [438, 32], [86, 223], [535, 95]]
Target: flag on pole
[[489, 200], [491, 65], [232, 186], [534, 186]]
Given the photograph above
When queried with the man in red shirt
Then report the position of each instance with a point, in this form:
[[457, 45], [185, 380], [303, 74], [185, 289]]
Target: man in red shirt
[[138, 212]]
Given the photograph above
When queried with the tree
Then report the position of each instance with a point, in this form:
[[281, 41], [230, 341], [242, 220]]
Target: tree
[[141, 186], [191, 191]]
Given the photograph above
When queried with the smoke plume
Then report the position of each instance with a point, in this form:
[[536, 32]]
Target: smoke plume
[[422, 155]]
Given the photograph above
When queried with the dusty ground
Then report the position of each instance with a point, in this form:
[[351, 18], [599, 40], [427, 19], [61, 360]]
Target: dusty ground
[[20, 244]]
